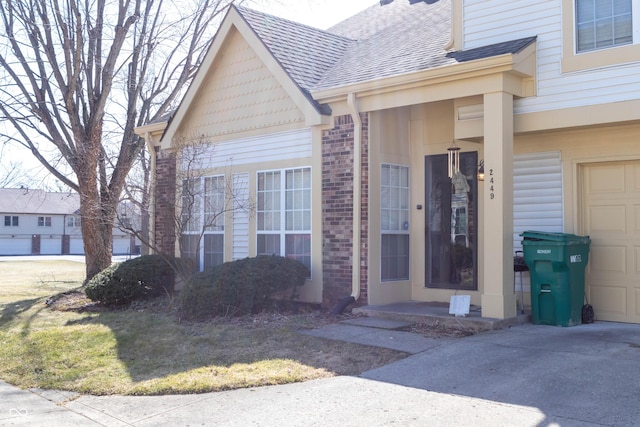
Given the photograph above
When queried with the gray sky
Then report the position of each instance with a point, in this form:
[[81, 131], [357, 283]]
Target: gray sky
[[316, 13]]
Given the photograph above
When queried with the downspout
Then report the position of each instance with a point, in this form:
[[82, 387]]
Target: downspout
[[152, 192], [352, 103]]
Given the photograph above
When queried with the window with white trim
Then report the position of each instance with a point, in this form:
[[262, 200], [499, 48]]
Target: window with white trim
[[202, 220], [11, 221], [394, 222], [602, 24], [284, 214], [44, 221], [74, 221], [214, 209]]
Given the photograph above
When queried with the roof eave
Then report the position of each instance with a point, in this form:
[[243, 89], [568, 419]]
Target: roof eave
[[151, 128], [518, 64]]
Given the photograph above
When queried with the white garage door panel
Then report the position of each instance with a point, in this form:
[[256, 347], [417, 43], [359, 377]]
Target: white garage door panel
[[607, 179], [121, 245], [50, 246], [636, 216], [610, 302], [76, 247], [15, 246], [611, 208], [608, 218], [605, 260], [636, 177]]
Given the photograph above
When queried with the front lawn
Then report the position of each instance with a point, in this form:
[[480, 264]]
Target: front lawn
[[146, 349]]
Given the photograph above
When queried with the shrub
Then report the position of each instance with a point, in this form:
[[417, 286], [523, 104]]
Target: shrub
[[196, 299], [242, 287], [144, 277]]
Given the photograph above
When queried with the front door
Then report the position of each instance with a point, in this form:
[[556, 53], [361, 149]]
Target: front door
[[451, 223]]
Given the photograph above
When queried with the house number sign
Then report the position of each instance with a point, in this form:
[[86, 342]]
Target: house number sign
[[492, 194]]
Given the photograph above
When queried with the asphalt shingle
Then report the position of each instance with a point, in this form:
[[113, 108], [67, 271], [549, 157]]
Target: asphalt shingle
[[26, 201], [512, 46], [381, 41]]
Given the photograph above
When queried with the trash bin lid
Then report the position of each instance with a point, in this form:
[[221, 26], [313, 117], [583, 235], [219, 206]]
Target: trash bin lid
[[554, 237]]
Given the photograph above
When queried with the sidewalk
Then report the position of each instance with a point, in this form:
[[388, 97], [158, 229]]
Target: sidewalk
[[525, 375], [74, 258]]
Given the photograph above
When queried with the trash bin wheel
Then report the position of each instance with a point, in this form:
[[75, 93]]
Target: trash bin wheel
[[587, 313]]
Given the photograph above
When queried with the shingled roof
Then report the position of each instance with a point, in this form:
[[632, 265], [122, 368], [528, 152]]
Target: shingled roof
[[26, 201], [382, 41]]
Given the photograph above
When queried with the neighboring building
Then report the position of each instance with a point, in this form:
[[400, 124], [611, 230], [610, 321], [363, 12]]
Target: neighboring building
[[36, 222], [341, 138]]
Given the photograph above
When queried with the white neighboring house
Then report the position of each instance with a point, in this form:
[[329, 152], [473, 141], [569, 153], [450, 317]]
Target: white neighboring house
[[36, 222]]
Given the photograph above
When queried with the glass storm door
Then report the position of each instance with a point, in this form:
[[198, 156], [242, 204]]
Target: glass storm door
[[451, 223]]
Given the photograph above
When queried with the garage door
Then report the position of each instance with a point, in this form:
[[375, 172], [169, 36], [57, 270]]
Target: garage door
[[611, 216]]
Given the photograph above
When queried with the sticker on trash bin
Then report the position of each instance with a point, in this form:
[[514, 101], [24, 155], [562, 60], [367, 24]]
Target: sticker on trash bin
[[544, 251], [575, 258]]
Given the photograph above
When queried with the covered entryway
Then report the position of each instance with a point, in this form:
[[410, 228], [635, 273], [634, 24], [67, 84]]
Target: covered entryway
[[451, 223], [611, 216]]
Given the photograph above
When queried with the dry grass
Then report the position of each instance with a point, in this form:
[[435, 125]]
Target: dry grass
[[67, 343], [34, 279]]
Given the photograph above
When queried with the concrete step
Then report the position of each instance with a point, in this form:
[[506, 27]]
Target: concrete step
[[376, 322], [437, 314]]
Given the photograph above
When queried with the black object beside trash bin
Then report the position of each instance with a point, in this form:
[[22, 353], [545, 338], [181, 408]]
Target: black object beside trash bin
[[518, 267], [557, 263]]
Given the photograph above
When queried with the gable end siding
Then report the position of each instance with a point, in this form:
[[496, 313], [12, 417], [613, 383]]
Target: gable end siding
[[240, 94]]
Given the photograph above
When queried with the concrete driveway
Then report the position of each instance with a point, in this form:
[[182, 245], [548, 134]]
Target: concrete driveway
[[526, 375]]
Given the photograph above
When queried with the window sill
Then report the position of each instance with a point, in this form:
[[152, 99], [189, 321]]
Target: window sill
[[572, 62]]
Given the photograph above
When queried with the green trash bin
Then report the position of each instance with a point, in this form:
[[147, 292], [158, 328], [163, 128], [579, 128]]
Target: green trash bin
[[557, 263]]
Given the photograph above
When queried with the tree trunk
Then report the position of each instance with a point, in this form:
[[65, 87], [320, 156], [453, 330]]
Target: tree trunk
[[97, 230]]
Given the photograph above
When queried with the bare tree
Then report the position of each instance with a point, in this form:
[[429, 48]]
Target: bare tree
[[78, 76], [11, 175], [137, 195], [206, 198]]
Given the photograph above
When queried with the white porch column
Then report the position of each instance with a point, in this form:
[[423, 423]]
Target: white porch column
[[498, 298]]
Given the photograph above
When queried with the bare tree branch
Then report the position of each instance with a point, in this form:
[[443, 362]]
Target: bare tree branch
[[78, 77]]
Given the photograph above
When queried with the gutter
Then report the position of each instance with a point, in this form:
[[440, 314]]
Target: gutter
[[152, 191], [352, 103]]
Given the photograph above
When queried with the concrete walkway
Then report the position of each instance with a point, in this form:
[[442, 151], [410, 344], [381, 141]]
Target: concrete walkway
[[526, 375]]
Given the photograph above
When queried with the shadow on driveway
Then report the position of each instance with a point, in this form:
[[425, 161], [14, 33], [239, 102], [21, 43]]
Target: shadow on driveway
[[587, 372]]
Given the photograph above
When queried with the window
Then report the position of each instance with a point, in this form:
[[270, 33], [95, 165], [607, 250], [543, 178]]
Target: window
[[73, 221], [10, 221], [284, 214], [602, 24], [202, 221], [599, 33], [394, 222], [190, 208], [44, 221], [214, 209]]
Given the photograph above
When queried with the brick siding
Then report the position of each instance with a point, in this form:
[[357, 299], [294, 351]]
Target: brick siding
[[165, 193], [337, 210]]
